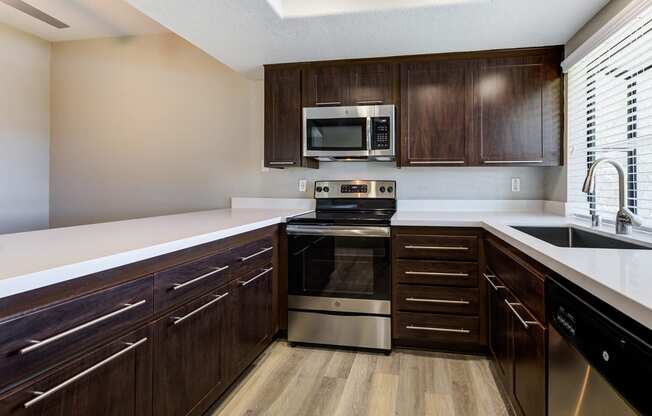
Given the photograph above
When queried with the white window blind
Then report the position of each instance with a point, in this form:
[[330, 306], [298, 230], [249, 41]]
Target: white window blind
[[610, 115]]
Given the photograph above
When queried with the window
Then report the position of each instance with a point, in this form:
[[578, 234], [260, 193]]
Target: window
[[610, 115]]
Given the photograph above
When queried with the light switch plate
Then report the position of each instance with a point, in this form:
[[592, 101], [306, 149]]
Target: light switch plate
[[516, 184], [303, 184]]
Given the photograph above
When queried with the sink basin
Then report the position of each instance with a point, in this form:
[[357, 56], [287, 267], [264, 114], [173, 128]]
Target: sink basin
[[574, 237]]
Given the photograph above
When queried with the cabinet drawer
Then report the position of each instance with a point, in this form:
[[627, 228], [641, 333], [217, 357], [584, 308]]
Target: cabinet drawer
[[35, 342], [448, 329], [114, 379], [436, 273], [521, 278], [434, 246], [252, 256], [463, 301], [187, 281]]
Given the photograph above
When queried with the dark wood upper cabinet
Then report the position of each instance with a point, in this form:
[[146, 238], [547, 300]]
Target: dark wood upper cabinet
[[373, 84], [283, 119], [436, 104], [326, 85], [519, 110]]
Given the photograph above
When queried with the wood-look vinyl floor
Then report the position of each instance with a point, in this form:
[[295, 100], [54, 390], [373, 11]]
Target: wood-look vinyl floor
[[310, 381]]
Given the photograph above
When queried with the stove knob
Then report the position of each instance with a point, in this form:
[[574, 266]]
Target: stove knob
[[326, 189], [382, 189], [318, 189], [390, 189]]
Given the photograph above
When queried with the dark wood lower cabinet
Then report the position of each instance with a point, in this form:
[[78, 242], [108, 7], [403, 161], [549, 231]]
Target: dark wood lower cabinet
[[530, 368], [187, 363], [114, 380], [254, 313], [517, 337]]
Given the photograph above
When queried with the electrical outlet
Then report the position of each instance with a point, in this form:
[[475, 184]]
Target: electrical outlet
[[516, 184], [303, 184]]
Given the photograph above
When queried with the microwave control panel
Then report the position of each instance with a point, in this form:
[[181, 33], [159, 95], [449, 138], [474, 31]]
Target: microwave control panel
[[380, 131]]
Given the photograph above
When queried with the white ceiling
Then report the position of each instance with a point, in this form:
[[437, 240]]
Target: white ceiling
[[306, 8], [244, 34], [87, 19]]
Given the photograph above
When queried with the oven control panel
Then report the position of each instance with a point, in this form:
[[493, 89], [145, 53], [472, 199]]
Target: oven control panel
[[355, 189]]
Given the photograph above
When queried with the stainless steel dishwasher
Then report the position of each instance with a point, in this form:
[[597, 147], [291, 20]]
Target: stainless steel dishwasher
[[600, 361]]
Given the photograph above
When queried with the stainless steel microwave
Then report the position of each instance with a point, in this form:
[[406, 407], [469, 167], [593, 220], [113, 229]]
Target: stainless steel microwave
[[356, 133]]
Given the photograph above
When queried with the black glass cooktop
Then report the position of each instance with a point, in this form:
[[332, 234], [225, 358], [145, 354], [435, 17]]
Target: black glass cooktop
[[370, 217]]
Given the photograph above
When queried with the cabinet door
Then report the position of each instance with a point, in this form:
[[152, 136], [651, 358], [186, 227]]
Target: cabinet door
[[373, 84], [186, 357], [254, 313], [436, 108], [529, 364], [113, 380], [519, 111], [327, 85], [283, 118], [501, 333]]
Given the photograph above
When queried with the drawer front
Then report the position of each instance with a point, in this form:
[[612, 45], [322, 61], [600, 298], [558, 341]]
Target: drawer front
[[112, 380], [463, 301], [436, 273], [434, 246], [518, 278], [251, 256], [33, 343], [190, 280], [425, 327]]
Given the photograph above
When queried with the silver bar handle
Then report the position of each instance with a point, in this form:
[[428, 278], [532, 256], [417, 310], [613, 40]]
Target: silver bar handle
[[428, 328], [177, 286], [436, 248], [176, 320], [43, 395], [36, 344], [339, 231], [411, 273], [489, 162], [329, 103], [437, 162], [491, 283], [362, 102], [251, 256], [454, 302], [259, 275], [282, 163], [525, 323]]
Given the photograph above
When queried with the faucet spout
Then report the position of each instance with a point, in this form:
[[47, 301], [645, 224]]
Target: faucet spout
[[625, 218]]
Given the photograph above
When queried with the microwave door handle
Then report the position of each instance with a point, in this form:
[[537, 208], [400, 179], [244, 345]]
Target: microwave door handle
[[369, 135]]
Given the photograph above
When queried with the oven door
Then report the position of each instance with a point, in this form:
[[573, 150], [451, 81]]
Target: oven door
[[339, 269]]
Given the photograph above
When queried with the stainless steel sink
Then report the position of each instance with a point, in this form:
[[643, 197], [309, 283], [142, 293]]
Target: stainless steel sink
[[575, 237]]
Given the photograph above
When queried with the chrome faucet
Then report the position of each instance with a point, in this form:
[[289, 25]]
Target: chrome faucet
[[624, 218]]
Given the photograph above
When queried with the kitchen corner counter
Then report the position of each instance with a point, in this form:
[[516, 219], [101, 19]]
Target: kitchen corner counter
[[35, 259], [621, 278]]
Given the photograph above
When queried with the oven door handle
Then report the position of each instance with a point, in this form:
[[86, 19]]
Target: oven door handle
[[338, 231]]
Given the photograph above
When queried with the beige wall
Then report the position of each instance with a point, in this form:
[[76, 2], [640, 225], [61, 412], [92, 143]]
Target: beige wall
[[151, 125], [24, 131], [144, 126]]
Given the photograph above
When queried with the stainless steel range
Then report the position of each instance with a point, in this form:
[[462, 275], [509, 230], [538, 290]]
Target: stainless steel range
[[339, 264]]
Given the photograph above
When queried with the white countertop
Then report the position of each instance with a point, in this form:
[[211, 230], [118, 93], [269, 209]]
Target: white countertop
[[622, 278], [35, 259]]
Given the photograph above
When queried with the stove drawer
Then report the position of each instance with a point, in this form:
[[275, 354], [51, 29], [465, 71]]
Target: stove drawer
[[462, 301]]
